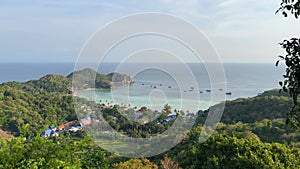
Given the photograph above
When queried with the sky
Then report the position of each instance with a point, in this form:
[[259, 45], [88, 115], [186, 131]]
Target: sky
[[56, 30]]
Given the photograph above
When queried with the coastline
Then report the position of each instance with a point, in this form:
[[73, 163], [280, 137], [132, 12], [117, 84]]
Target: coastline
[[140, 98], [76, 92]]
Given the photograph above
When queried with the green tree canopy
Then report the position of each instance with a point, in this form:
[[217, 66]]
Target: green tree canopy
[[136, 164]]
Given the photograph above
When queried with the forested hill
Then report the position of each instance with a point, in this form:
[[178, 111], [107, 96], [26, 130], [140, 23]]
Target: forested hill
[[36, 104], [48, 83], [40, 103], [86, 78], [270, 104], [252, 135]]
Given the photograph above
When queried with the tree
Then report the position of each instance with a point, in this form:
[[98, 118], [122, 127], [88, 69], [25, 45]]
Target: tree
[[50, 153], [230, 152], [168, 163], [292, 6], [136, 164], [291, 83]]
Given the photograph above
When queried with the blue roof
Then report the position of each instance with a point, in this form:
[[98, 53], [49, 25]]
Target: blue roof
[[85, 118], [168, 119], [43, 134], [48, 132], [173, 116], [52, 127]]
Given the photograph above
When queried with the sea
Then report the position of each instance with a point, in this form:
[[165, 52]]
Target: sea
[[156, 84]]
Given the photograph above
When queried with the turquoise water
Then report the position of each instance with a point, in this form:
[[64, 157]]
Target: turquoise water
[[155, 88], [242, 80], [154, 102]]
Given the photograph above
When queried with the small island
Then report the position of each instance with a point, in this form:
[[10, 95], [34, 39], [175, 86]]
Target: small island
[[89, 79]]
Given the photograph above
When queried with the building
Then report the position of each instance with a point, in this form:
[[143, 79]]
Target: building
[[75, 129], [66, 126], [50, 132], [170, 118], [86, 121]]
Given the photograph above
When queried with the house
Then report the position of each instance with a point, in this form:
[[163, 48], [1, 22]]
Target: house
[[138, 113], [66, 126], [86, 121], [75, 129], [52, 128], [170, 118], [51, 132]]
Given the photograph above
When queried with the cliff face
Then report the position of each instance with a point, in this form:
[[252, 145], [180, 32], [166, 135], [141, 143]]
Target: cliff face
[[118, 78]]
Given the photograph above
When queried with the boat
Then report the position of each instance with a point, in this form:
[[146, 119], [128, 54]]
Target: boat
[[208, 90], [228, 93]]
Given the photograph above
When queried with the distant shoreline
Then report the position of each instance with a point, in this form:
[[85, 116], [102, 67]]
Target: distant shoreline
[[75, 93]]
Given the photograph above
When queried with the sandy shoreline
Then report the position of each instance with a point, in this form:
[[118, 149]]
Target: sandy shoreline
[[75, 93]]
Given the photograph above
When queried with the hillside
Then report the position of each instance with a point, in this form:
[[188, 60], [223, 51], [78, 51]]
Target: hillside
[[267, 105], [37, 104], [44, 102], [85, 78], [252, 126]]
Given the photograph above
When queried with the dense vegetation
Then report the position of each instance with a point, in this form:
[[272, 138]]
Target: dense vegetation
[[37, 104], [268, 105], [121, 122], [222, 151], [20, 109], [50, 153], [252, 133]]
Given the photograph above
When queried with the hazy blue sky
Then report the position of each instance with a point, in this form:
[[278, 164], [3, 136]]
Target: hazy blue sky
[[55, 30]]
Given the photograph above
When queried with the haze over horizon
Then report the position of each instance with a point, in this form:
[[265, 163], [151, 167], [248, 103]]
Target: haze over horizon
[[55, 31]]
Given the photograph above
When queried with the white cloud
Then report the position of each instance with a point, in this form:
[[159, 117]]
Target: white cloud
[[239, 28], [247, 24]]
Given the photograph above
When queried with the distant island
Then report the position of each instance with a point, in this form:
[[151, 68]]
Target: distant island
[[88, 79]]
